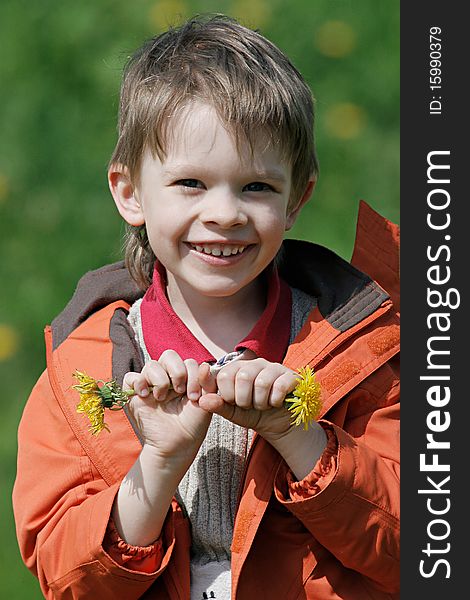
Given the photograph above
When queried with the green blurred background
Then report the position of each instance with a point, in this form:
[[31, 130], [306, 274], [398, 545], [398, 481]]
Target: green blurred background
[[60, 70]]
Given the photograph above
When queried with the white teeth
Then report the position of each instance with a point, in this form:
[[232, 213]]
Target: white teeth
[[219, 249]]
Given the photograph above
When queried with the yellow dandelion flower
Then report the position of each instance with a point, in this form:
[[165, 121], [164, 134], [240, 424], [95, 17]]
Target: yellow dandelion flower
[[94, 398], [92, 406], [305, 402], [86, 384]]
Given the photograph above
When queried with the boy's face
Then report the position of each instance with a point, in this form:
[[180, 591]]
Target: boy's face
[[215, 215]]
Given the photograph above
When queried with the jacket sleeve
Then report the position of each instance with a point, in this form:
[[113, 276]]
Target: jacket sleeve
[[62, 509], [352, 509]]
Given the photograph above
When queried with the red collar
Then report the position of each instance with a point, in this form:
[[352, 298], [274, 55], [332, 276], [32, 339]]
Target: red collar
[[163, 329]]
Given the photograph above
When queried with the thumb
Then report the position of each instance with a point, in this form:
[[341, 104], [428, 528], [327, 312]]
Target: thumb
[[214, 403], [206, 379]]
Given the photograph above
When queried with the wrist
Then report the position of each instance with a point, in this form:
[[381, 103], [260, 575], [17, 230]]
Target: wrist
[[301, 448], [145, 495], [165, 462]]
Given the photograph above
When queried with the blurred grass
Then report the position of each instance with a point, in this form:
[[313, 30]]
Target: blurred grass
[[59, 80]]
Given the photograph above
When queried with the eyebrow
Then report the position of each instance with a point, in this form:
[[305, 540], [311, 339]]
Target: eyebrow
[[274, 174], [271, 174], [176, 170]]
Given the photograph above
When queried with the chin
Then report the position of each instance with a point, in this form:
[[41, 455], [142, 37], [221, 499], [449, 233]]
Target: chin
[[218, 292], [222, 289]]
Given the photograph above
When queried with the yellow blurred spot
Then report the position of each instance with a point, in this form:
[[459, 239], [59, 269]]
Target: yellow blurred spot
[[166, 13], [345, 120], [335, 39], [252, 13], [9, 341], [4, 187]]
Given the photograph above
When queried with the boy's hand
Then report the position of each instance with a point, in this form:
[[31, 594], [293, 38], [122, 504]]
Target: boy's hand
[[251, 394], [165, 407]]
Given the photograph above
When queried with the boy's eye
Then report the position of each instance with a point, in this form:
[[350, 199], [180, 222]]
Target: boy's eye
[[190, 183], [257, 186]]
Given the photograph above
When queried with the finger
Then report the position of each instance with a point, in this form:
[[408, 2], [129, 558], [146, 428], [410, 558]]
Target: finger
[[173, 364], [282, 386], [262, 389], [157, 378], [235, 381], [244, 380], [226, 384], [193, 389], [137, 383], [206, 379]]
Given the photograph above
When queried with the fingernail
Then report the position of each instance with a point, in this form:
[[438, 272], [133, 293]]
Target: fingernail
[[144, 392], [193, 396]]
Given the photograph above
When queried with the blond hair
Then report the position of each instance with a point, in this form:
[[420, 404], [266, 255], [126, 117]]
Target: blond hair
[[250, 83]]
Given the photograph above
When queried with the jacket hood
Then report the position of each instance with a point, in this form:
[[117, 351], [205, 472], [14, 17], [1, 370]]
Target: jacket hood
[[95, 290]]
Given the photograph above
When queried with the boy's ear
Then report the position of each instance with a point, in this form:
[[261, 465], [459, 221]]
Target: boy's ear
[[294, 212], [123, 192]]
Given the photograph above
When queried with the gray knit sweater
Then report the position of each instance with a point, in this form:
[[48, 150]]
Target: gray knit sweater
[[209, 490]]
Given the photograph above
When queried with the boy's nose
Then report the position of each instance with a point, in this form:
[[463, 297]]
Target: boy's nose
[[224, 210]]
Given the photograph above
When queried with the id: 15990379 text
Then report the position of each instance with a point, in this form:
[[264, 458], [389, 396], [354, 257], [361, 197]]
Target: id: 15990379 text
[[435, 70]]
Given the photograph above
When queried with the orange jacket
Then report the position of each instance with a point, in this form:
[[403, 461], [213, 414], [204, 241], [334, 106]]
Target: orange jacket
[[340, 543]]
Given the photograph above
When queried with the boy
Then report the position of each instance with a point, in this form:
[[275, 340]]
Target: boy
[[203, 488]]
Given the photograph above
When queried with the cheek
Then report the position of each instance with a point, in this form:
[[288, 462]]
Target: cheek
[[165, 222], [272, 223]]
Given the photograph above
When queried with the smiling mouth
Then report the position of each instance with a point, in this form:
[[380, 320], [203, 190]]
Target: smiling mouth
[[219, 249]]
